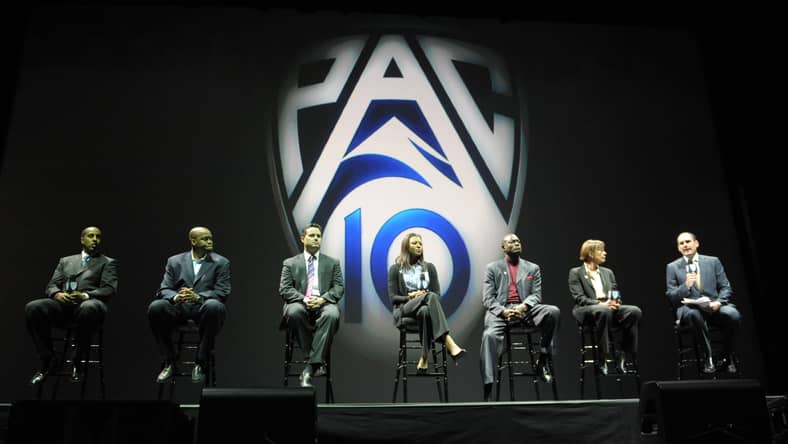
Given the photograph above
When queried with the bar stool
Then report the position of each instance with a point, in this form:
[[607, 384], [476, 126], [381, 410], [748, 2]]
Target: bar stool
[[186, 347], [406, 366], [291, 344], [518, 338], [688, 352], [591, 356], [65, 360]]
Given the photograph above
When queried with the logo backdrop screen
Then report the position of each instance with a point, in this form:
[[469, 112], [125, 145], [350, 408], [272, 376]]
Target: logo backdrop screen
[[378, 135]]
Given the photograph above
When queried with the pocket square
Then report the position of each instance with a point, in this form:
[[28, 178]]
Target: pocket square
[[529, 278]]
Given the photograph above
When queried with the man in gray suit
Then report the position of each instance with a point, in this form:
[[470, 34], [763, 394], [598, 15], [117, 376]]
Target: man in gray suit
[[311, 286], [699, 290], [513, 293], [78, 293], [196, 285]]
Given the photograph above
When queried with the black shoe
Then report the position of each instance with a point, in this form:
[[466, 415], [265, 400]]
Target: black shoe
[[708, 366], [198, 376], [38, 378], [487, 392], [165, 374], [77, 373], [456, 358], [321, 371], [543, 369], [422, 371], [727, 365], [306, 377]]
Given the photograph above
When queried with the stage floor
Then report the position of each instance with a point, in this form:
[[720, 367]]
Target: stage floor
[[546, 422], [141, 422]]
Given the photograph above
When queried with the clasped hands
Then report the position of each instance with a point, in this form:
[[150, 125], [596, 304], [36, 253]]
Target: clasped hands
[[416, 293], [186, 295], [314, 302], [611, 304], [73, 298], [516, 313]]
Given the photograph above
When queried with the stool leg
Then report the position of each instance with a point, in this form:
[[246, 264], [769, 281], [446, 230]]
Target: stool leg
[[582, 362], [445, 374], [437, 377], [509, 364], [533, 355], [597, 361], [398, 370]]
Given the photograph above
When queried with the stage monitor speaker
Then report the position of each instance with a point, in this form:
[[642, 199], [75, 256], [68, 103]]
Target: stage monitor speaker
[[98, 422], [263, 415], [708, 411]]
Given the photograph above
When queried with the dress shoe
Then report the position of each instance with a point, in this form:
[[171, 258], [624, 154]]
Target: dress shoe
[[306, 377], [165, 374], [321, 371], [543, 369], [422, 370], [708, 366], [38, 378], [77, 373], [456, 358], [727, 365], [198, 375]]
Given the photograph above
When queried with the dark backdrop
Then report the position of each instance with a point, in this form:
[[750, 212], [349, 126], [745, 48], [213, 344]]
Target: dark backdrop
[[146, 121]]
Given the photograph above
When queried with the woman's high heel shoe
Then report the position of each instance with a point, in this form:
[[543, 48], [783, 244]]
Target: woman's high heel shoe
[[460, 354]]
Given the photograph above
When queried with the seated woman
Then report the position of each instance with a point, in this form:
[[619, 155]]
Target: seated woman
[[415, 293], [590, 286]]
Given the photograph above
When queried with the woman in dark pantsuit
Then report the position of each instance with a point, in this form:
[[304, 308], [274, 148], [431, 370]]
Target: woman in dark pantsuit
[[415, 293]]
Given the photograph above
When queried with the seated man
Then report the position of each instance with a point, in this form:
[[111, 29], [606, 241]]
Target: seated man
[[78, 292], [513, 292], [699, 290], [196, 286], [311, 286]]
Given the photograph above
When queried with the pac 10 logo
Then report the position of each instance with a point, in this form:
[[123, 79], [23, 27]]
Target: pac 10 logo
[[380, 135]]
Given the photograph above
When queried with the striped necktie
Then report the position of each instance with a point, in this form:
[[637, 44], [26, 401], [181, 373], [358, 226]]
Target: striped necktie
[[310, 275]]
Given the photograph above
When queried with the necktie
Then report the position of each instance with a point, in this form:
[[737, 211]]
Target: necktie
[[85, 261], [310, 275]]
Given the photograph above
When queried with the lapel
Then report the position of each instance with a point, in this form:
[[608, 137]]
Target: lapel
[[588, 287], [207, 264], [605, 280], [322, 263], [188, 269]]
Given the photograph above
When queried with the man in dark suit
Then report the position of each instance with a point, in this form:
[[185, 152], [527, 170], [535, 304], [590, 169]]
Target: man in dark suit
[[78, 293], [311, 286], [195, 286], [513, 292], [699, 290]]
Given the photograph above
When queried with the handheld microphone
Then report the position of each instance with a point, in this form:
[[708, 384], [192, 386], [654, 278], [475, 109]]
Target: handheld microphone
[[692, 267]]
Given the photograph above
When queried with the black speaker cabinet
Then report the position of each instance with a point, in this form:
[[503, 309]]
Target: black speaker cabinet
[[98, 422], [708, 411], [264, 415]]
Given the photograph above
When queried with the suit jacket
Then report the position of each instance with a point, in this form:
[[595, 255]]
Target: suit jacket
[[398, 291], [713, 280], [582, 290], [496, 285], [292, 282], [99, 279], [212, 282]]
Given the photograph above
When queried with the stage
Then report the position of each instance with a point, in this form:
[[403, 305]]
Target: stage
[[274, 421]]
